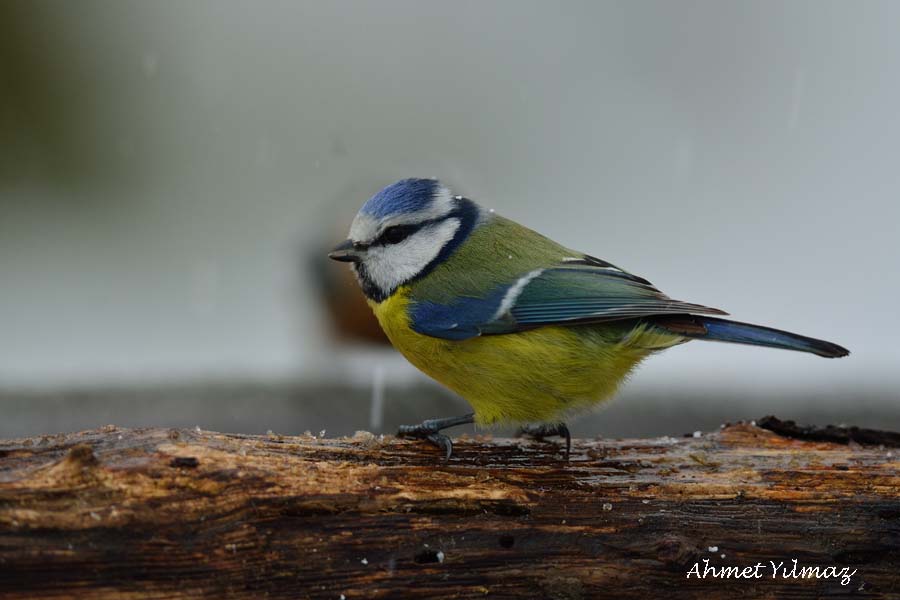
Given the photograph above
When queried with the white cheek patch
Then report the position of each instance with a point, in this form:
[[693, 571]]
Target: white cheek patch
[[391, 265]]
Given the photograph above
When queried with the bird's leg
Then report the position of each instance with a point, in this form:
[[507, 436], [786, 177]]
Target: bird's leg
[[430, 430], [539, 432]]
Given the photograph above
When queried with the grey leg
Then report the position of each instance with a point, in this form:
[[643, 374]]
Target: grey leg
[[430, 430]]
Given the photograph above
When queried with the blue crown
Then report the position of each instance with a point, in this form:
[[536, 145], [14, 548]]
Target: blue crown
[[407, 195]]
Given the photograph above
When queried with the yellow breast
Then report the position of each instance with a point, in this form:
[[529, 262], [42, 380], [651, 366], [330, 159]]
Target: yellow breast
[[538, 375]]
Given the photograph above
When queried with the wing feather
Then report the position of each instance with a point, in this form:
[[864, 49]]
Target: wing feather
[[560, 295], [587, 295]]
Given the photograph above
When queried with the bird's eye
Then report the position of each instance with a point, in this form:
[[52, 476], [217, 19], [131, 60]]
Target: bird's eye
[[397, 233]]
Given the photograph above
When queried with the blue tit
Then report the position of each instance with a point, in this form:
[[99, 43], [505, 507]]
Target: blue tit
[[526, 330]]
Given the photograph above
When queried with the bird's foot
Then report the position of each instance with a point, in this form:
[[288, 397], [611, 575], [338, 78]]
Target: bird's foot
[[545, 430], [430, 430]]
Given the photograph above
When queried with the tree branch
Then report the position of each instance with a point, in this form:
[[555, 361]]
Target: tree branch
[[152, 513]]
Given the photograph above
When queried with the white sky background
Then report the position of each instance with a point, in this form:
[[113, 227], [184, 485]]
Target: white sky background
[[739, 155]]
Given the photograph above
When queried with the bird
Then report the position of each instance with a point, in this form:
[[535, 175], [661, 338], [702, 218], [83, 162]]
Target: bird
[[526, 330]]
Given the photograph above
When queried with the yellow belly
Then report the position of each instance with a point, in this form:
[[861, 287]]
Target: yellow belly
[[538, 375]]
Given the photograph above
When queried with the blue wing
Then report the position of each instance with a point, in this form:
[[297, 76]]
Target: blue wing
[[575, 294]]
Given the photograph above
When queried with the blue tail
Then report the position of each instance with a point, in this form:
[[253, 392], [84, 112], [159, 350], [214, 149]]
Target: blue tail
[[722, 330]]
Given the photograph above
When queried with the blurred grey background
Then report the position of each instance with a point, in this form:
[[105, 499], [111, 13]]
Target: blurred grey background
[[171, 174]]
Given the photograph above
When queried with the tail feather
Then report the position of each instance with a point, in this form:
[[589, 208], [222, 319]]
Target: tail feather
[[723, 330]]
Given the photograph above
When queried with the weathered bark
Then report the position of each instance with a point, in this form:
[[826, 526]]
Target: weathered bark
[[117, 513]]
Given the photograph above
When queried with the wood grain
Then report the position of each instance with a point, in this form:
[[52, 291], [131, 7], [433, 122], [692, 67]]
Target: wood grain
[[151, 513]]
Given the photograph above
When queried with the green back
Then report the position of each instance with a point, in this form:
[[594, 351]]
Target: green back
[[498, 252]]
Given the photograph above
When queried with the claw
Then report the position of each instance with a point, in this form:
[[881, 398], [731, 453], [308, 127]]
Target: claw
[[409, 430], [423, 432], [564, 431], [545, 430], [443, 442], [429, 430]]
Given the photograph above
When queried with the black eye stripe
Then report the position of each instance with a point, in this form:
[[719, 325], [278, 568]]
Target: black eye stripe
[[397, 233]]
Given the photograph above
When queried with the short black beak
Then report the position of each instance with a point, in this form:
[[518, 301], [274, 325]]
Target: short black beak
[[344, 252]]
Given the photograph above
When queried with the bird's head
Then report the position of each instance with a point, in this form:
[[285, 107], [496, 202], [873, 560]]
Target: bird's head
[[403, 232]]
